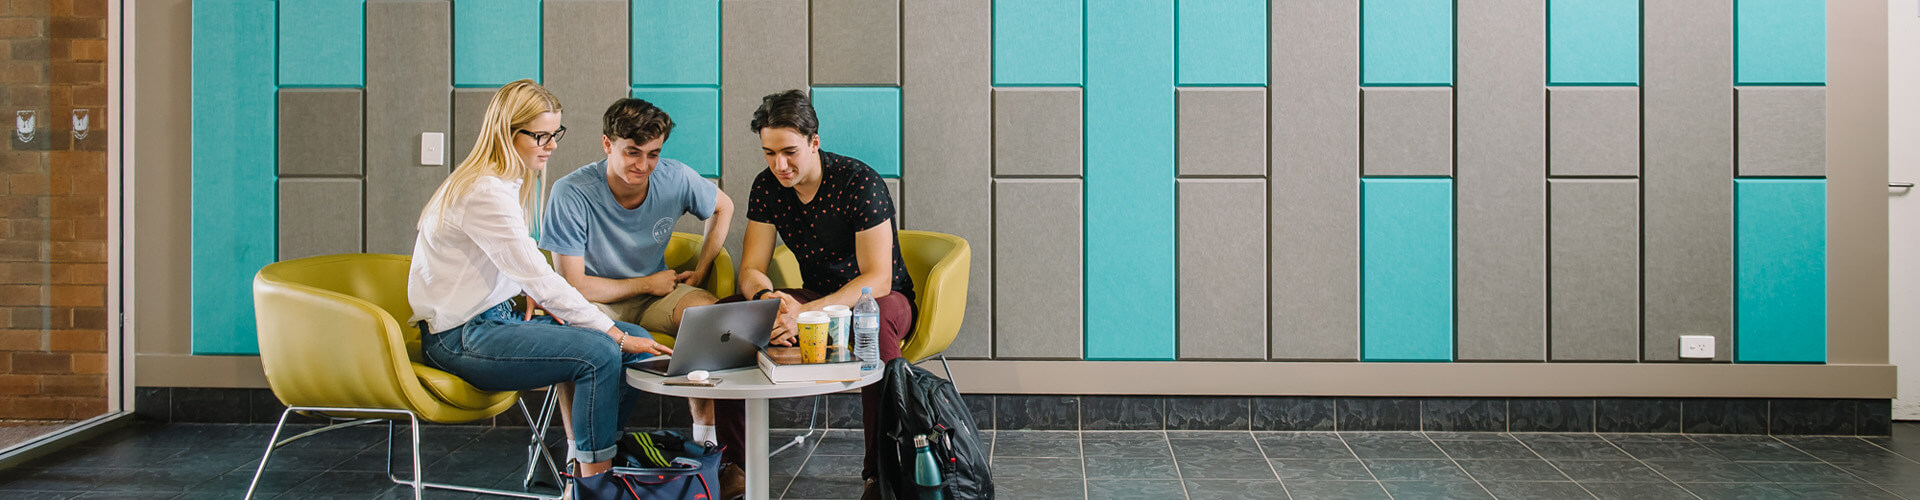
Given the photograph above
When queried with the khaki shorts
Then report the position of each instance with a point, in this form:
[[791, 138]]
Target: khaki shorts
[[652, 312]]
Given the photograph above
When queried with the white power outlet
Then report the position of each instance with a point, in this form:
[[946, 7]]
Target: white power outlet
[[1696, 347], [433, 149]]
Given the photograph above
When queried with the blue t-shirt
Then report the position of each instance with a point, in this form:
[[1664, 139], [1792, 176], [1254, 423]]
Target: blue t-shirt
[[583, 219]]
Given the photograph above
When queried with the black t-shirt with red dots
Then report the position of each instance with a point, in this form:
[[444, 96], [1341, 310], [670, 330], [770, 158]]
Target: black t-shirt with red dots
[[852, 198]]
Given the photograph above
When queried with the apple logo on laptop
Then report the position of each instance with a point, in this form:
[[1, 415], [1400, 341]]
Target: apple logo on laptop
[[726, 336]]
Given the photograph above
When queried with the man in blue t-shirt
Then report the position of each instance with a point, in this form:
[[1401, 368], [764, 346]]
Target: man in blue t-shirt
[[608, 225]]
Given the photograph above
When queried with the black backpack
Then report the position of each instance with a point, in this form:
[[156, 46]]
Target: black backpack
[[917, 402]]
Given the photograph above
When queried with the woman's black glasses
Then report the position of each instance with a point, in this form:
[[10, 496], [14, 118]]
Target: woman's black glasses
[[542, 138]]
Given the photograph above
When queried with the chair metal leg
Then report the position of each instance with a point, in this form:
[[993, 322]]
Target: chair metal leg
[[537, 449], [944, 365], [272, 442]]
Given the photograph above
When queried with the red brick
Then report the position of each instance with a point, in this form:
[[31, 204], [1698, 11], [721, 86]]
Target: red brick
[[90, 8], [20, 72], [74, 341], [77, 206], [90, 229], [70, 163], [42, 362], [25, 273], [59, 7], [28, 184], [87, 363], [24, 162], [19, 385], [6, 364], [92, 97], [77, 72], [60, 49], [59, 230], [78, 251], [21, 340], [40, 408], [90, 50], [90, 185], [79, 295], [75, 27], [79, 274], [20, 27], [31, 318], [85, 408], [24, 207], [73, 386], [17, 250], [22, 295], [32, 7]]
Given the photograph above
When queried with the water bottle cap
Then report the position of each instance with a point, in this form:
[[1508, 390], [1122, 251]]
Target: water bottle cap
[[920, 441], [866, 290]]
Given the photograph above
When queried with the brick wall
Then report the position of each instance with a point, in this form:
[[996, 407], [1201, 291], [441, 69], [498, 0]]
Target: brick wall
[[53, 199]]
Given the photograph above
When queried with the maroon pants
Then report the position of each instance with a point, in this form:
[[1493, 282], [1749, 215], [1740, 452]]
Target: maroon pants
[[896, 323]]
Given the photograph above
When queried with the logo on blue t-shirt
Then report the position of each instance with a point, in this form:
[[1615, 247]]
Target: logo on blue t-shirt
[[662, 229]]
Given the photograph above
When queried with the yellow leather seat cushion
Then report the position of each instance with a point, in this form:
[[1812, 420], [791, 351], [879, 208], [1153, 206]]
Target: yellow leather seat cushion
[[456, 392]]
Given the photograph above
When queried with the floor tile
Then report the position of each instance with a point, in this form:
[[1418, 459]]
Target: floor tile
[[1469, 436], [1324, 446], [1512, 470], [1036, 468], [1321, 470], [832, 465], [1486, 450], [1577, 450], [1755, 449], [1436, 490], [1038, 489], [1225, 468], [1234, 489], [1036, 448], [1667, 450], [1416, 470], [1355, 490], [1839, 492], [1798, 472], [1608, 471], [1638, 491], [1131, 468], [1237, 447], [825, 487], [1536, 491], [1738, 491], [1704, 471], [158, 480], [1393, 446], [1114, 489], [1126, 448]]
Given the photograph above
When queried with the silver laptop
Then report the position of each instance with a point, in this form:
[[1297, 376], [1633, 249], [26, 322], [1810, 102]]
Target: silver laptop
[[716, 337]]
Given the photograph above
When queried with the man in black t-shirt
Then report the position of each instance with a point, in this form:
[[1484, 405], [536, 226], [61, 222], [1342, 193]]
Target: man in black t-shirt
[[835, 214]]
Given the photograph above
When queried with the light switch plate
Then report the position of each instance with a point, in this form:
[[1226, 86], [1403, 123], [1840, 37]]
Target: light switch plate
[[1696, 347], [433, 149]]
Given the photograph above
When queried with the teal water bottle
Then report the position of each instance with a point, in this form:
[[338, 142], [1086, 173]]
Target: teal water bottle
[[926, 471]]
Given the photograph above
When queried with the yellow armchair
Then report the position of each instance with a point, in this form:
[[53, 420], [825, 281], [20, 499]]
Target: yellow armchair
[[332, 344], [938, 263]]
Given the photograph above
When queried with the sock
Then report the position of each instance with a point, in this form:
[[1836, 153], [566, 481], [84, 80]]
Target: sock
[[704, 434]]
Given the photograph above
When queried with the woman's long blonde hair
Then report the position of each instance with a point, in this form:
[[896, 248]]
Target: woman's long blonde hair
[[515, 105]]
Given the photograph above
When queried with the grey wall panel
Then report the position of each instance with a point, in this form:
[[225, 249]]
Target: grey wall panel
[[409, 70], [1037, 281], [469, 111], [1500, 203], [1687, 115], [585, 62], [1593, 131], [1037, 131], [947, 113], [319, 217], [1315, 204], [763, 49], [1223, 296], [1406, 131], [1595, 265], [320, 132], [899, 211], [1782, 131], [1223, 130], [855, 42]]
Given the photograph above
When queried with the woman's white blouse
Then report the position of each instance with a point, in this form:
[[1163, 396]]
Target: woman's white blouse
[[477, 255]]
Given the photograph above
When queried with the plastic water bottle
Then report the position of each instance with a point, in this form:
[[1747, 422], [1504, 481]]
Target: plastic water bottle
[[926, 470], [866, 330]]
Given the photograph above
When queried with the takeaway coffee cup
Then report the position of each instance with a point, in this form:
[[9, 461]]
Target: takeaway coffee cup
[[840, 320], [813, 337]]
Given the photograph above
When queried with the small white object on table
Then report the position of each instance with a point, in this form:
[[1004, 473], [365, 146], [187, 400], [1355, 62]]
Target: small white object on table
[[751, 385]]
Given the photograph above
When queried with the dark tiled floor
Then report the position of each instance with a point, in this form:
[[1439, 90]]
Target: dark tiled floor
[[218, 460]]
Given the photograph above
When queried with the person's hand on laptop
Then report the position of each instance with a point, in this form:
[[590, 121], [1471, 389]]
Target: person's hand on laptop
[[785, 325], [638, 344]]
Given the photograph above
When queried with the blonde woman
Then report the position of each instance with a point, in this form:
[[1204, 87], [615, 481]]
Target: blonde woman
[[474, 253]]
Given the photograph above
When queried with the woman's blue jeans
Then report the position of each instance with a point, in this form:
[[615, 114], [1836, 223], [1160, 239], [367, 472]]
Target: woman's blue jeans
[[498, 351]]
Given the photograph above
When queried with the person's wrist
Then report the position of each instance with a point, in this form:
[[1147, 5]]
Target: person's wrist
[[763, 291]]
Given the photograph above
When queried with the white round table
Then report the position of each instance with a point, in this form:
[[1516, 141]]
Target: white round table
[[751, 385]]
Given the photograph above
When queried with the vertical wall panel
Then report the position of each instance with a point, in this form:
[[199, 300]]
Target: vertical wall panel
[[1782, 131], [696, 125], [498, 41], [1782, 271], [1129, 180], [1595, 269], [324, 215], [1593, 131], [855, 42], [1593, 42], [1036, 131], [584, 58], [1223, 131], [764, 50], [320, 132], [861, 122], [233, 153], [1500, 129], [1780, 41], [893, 194], [322, 43], [1222, 42], [469, 111], [947, 114], [1038, 42], [1037, 245], [1223, 300], [1315, 222], [676, 42], [1406, 289], [408, 67], [1406, 42], [1407, 131], [1687, 115]]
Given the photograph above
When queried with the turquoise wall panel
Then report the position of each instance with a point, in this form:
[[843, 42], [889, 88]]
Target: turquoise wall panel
[[1037, 42], [323, 43], [861, 122], [1406, 42], [1780, 42], [1406, 269], [1222, 42], [696, 125], [1593, 42], [495, 42], [1130, 213], [675, 42], [1780, 256], [234, 145]]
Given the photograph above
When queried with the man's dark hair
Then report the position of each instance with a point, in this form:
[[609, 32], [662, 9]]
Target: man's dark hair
[[636, 120], [791, 109]]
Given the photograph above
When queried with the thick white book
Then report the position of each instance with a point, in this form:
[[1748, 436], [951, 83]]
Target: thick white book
[[782, 366]]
